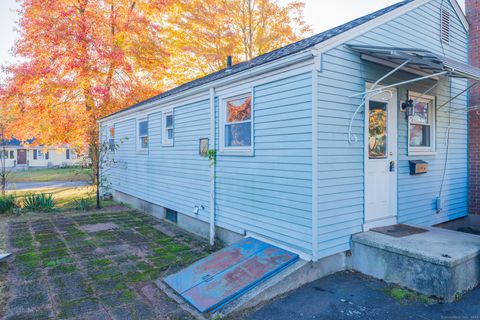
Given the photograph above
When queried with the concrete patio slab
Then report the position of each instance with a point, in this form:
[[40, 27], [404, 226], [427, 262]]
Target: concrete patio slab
[[439, 262]]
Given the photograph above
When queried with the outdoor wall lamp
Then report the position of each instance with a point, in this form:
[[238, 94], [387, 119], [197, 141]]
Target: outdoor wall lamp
[[407, 107]]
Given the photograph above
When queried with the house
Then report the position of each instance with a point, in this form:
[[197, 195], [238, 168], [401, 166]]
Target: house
[[361, 126], [21, 155], [473, 14]]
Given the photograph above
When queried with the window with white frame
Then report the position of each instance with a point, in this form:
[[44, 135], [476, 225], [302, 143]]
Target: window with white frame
[[421, 125], [142, 135], [167, 128], [38, 155], [237, 125]]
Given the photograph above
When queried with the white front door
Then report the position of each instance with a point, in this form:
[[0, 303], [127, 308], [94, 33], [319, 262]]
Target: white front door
[[381, 160]]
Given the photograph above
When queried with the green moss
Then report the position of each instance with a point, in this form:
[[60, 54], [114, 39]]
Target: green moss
[[133, 277], [57, 262], [62, 269], [30, 259], [102, 262], [407, 296], [176, 247], [143, 266]]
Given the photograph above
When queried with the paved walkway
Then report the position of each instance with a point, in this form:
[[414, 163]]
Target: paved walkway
[[46, 185], [97, 266], [347, 295]]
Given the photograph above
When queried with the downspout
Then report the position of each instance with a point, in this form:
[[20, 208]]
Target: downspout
[[315, 105], [213, 159]]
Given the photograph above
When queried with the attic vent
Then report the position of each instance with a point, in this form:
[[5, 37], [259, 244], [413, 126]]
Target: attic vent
[[445, 26]]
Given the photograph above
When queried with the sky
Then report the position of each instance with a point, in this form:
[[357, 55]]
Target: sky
[[320, 14]]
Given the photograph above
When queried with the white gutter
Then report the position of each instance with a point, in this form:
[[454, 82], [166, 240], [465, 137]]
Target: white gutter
[[212, 166], [271, 66]]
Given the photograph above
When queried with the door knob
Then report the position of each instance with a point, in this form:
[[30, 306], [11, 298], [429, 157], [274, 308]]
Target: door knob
[[392, 166]]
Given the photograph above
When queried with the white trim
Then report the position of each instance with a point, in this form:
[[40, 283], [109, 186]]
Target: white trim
[[424, 151], [393, 127], [274, 65], [460, 14], [166, 142], [139, 148], [315, 191], [203, 89], [236, 151], [367, 26], [212, 167], [229, 89], [301, 254]]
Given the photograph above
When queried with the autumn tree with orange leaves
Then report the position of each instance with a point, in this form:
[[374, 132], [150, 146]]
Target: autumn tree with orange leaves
[[84, 59], [202, 33]]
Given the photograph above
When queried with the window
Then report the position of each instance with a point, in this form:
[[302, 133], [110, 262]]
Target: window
[[67, 154], [142, 134], [421, 126], [237, 126], [377, 130], [167, 128], [47, 155], [38, 155], [111, 139], [12, 154]]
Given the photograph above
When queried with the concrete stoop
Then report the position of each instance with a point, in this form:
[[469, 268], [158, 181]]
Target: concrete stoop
[[290, 278], [440, 263]]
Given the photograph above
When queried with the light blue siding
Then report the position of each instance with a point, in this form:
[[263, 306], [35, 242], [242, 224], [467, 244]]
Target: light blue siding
[[175, 177], [341, 177], [270, 194]]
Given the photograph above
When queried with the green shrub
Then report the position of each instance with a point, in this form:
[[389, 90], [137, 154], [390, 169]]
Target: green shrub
[[41, 202], [7, 203], [83, 204]]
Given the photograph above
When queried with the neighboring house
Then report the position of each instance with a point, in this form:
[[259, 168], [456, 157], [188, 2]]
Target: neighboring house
[[473, 16], [301, 161], [23, 155]]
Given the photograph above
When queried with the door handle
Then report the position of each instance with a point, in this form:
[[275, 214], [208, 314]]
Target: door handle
[[392, 166]]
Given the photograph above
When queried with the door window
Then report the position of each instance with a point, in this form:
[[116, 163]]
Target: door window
[[377, 130]]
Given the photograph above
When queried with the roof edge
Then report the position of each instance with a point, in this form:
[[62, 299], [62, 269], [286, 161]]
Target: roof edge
[[460, 14], [282, 61]]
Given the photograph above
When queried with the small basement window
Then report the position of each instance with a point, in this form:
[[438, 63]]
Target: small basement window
[[237, 125], [421, 126], [142, 134], [167, 128], [171, 215]]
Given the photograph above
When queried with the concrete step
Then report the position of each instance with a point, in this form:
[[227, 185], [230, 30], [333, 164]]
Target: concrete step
[[441, 263]]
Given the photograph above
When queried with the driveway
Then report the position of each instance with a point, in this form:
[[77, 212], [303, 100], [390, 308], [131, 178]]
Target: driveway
[[348, 295], [46, 185]]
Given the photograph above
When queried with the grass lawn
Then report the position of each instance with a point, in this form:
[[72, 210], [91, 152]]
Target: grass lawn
[[54, 174], [66, 198]]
